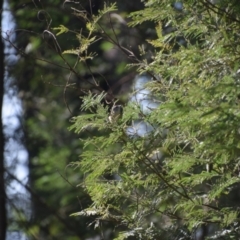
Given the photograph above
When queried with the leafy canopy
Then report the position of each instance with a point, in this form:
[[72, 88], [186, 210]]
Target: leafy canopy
[[194, 68]]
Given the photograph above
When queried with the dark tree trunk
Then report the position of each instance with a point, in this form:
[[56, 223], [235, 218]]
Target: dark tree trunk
[[3, 215]]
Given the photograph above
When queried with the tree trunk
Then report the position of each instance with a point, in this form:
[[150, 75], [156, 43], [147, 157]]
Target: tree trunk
[[3, 215]]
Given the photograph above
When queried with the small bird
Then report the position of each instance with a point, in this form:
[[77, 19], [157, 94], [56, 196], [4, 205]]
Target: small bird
[[116, 113]]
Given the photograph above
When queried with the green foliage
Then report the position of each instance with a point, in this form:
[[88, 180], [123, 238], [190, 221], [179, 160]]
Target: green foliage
[[61, 29], [60, 59], [199, 83], [92, 25]]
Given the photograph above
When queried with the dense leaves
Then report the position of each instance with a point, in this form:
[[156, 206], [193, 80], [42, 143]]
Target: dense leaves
[[195, 183], [168, 168], [50, 82]]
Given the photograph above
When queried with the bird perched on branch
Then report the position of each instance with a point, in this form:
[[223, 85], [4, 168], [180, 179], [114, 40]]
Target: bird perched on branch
[[116, 113]]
